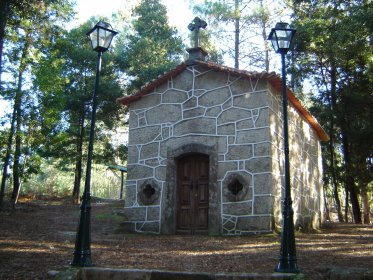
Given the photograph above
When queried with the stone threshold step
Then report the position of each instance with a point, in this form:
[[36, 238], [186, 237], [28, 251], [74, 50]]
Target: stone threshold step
[[94, 273]]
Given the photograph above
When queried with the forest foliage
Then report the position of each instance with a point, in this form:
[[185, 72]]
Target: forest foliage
[[48, 71]]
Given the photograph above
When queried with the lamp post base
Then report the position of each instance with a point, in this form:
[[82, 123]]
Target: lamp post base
[[288, 257], [82, 259], [289, 267], [82, 252]]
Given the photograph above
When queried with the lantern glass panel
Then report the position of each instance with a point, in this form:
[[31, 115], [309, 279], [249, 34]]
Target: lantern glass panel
[[105, 38], [274, 42], [283, 38], [93, 36]]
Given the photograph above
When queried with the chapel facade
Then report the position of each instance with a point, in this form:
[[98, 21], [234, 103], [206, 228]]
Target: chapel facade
[[205, 154]]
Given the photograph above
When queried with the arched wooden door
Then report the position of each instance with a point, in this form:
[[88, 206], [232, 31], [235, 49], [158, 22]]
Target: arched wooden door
[[192, 194]]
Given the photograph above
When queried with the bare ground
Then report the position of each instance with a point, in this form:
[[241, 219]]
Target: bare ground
[[39, 236]]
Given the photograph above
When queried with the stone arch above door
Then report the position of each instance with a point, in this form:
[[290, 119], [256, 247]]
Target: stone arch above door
[[168, 219]]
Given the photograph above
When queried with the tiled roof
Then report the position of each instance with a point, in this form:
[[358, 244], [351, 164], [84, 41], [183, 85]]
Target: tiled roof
[[271, 77]]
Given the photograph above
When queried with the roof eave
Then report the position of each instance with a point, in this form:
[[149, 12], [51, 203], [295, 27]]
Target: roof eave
[[152, 85]]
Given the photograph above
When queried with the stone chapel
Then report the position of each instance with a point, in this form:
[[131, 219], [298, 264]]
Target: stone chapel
[[205, 153]]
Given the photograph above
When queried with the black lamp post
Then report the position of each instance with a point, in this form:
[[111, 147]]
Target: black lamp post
[[281, 37], [101, 36]]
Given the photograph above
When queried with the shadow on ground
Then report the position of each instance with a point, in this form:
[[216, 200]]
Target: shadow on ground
[[39, 237]]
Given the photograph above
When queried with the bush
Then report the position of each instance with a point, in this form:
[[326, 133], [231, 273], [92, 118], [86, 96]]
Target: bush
[[53, 182]]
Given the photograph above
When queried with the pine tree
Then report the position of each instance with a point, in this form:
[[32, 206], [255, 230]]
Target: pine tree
[[334, 49], [153, 48], [243, 26]]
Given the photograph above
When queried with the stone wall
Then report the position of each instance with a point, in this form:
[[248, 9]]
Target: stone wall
[[305, 167], [232, 119]]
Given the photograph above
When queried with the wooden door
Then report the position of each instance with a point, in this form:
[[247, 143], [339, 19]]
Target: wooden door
[[192, 194]]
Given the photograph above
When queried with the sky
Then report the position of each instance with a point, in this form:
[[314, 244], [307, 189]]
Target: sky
[[179, 12]]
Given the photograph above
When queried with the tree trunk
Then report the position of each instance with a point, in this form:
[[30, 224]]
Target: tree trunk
[[355, 203], [350, 181], [366, 206], [266, 57], [237, 34], [6, 160], [26, 156], [17, 153], [334, 182], [346, 204], [327, 215], [265, 40], [331, 97], [337, 202], [18, 109], [349, 174], [78, 163]]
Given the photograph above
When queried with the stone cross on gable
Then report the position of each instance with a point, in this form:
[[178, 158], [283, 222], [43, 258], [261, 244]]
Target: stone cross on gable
[[195, 26]]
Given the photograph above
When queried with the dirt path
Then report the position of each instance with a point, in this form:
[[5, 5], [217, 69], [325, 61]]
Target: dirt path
[[39, 237]]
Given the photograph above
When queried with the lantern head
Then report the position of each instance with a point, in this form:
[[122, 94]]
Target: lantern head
[[101, 36], [281, 37]]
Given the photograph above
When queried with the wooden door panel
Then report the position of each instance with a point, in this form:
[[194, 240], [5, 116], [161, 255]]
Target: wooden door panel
[[203, 193], [186, 170], [203, 206], [202, 219], [203, 169], [184, 197], [193, 194], [184, 221]]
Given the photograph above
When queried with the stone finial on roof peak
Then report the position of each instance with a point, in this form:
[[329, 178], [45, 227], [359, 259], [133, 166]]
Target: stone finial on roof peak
[[196, 53]]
